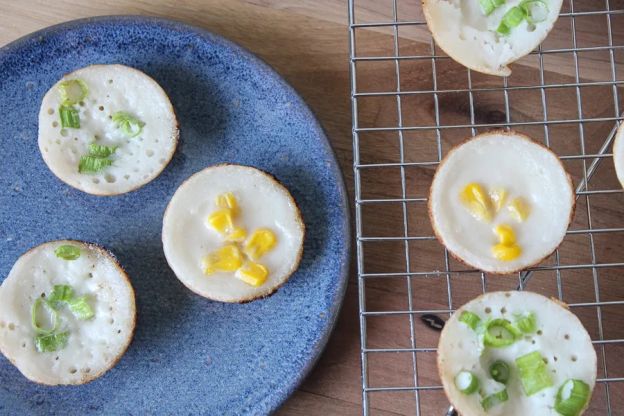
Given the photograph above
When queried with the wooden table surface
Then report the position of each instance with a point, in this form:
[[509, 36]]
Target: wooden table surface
[[307, 42]]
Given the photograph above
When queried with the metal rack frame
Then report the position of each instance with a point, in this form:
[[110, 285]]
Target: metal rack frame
[[590, 163]]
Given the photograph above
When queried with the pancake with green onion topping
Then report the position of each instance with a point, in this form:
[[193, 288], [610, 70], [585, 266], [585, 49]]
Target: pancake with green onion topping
[[488, 35], [107, 129], [516, 353], [67, 313]]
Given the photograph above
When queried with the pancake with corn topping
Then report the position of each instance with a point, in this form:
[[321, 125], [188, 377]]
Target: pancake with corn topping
[[232, 233], [500, 202]]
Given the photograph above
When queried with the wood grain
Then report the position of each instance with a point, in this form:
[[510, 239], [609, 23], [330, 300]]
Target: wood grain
[[307, 42]]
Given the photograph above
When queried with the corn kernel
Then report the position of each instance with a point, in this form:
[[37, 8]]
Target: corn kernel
[[506, 252], [505, 234], [226, 259], [259, 243], [254, 274], [228, 201], [237, 234], [519, 209], [477, 201], [221, 221], [498, 197]]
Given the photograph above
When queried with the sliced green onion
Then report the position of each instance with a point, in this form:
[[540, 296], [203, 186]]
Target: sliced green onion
[[500, 333], [533, 373], [97, 150], [527, 323], [488, 6], [536, 10], [33, 317], [511, 19], [470, 319], [81, 308], [500, 371], [493, 399], [51, 342], [60, 294], [572, 397], [466, 382], [131, 126], [91, 164], [69, 117], [73, 91], [67, 252]]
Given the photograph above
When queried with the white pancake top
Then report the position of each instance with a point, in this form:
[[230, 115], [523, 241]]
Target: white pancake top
[[263, 203], [137, 160], [562, 340], [522, 167], [94, 345], [468, 36], [618, 154]]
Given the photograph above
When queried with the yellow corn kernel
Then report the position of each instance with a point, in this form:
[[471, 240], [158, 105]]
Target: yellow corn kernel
[[253, 274], [506, 234], [519, 209], [506, 252], [221, 220], [226, 259], [259, 243], [477, 201], [237, 234], [498, 197], [228, 201]]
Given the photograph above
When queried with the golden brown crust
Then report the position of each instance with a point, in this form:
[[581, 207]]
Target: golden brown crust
[[299, 220], [510, 133], [175, 137], [102, 251]]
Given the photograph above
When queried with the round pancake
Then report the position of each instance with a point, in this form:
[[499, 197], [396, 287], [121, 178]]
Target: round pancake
[[111, 89], [560, 338], [521, 167], [618, 154], [94, 345], [468, 36], [263, 202]]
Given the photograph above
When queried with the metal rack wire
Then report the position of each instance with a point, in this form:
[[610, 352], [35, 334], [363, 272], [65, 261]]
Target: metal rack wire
[[587, 282]]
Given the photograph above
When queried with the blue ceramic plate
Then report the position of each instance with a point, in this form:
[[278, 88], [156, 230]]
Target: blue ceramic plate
[[189, 355]]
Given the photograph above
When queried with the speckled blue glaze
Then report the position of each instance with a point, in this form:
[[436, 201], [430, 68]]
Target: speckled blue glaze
[[189, 355]]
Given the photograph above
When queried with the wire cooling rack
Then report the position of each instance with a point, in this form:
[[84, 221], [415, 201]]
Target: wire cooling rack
[[411, 104]]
